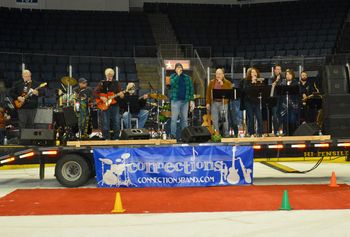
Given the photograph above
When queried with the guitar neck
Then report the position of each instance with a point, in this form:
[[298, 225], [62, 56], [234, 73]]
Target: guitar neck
[[28, 94]]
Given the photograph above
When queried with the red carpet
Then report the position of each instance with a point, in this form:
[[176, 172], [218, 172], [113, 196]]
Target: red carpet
[[162, 200]]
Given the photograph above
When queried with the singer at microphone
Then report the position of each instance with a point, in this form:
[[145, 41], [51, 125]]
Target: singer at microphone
[[182, 96], [275, 80]]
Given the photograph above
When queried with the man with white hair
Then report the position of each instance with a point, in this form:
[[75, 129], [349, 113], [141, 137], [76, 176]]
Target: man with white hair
[[26, 113], [110, 86]]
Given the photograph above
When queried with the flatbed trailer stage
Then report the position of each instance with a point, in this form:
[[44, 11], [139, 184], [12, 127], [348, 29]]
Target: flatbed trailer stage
[[74, 164]]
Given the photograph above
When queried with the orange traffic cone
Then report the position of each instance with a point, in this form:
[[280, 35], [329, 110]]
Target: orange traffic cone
[[118, 205], [333, 182]]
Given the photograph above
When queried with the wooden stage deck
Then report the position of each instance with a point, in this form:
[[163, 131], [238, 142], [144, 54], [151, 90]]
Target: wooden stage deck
[[245, 140]]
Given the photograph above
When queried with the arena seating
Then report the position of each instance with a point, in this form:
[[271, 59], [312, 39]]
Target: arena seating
[[105, 34], [308, 28], [47, 41]]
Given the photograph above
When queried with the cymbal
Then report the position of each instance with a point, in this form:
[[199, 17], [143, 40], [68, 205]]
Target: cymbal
[[68, 81], [158, 96]]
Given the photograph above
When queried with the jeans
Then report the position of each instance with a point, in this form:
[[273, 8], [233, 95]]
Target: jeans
[[253, 110], [26, 118], [234, 115], [142, 116], [179, 107], [216, 108], [111, 114]]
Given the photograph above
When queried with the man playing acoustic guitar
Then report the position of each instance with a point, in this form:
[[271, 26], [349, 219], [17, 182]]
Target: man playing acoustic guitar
[[107, 93], [23, 92]]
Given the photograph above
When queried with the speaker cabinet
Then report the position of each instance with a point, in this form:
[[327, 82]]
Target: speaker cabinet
[[307, 129], [135, 134], [195, 134], [337, 126], [43, 116], [37, 134], [336, 104], [70, 117], [337, 72], [336, 79]]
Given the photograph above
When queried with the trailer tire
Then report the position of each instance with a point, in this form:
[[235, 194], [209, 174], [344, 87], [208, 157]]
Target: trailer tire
[[72, 170]]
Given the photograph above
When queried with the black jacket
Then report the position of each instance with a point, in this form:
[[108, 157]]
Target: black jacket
[[21, 87]]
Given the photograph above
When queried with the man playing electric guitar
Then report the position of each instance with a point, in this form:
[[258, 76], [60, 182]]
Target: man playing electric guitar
[[110, 89], [23, 92]]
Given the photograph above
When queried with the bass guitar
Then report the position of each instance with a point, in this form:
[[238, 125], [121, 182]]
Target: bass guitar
[[18, 104]]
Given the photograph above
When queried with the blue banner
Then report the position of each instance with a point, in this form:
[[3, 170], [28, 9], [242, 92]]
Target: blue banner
[[174, 166]]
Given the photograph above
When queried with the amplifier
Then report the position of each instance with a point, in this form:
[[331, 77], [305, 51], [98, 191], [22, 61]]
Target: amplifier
[[195, 134], [37, 134], [135, 134]]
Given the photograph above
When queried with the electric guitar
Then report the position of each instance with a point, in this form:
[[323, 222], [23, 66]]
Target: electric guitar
[[111, 99], [19, 104], [233, 176]]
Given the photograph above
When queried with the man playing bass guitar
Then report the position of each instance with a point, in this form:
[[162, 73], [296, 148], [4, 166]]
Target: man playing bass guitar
[[108, 91], [23, 92]]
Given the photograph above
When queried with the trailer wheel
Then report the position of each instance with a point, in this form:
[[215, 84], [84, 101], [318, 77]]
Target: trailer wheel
[[72, 170]]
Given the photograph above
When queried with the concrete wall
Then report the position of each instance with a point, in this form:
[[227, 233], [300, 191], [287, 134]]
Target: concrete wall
[[139, 3], [98, 5]]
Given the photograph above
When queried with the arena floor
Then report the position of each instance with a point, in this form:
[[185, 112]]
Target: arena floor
[[262, 223]]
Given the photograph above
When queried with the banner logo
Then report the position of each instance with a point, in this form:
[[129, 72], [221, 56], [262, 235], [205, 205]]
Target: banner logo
[[174, 166]]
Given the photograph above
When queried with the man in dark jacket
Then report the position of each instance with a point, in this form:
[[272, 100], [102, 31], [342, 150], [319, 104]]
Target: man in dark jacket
[[112, 113], [27, 112]]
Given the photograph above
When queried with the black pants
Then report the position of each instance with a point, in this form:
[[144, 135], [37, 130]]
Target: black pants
[[253, 111], [26, 118]]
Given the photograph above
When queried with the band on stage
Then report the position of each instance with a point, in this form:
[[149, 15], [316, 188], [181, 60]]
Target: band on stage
[[252, 106]]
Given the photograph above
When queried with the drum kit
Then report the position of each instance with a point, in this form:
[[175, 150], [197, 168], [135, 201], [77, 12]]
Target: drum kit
[[65, 118], [160, 111], [66, 96]]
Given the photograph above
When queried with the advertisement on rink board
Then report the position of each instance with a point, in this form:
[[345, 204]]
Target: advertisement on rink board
[[174, 166]]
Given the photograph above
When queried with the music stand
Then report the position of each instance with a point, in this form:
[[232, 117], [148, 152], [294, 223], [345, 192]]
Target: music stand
[[133, 105], [260, 91], [284, 90], [222, 94]]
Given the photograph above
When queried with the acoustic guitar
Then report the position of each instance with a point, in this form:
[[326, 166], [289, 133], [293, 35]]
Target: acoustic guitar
[[208, 123], [19, 104]]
